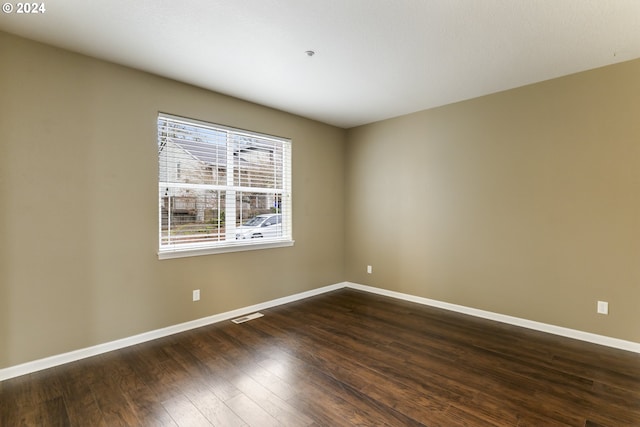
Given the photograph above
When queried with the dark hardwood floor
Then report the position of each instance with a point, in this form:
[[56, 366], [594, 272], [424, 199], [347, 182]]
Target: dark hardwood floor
[[339, 359]]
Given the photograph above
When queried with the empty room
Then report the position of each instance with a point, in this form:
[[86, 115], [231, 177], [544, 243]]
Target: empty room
[[320, 213]]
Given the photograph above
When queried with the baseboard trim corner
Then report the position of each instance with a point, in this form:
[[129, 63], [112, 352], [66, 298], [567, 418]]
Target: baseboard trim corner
[[60, 359]]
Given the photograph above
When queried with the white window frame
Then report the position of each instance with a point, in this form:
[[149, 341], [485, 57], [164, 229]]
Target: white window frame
[[230, 242]]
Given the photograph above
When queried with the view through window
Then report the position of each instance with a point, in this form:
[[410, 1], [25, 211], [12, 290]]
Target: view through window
[[221, 189]]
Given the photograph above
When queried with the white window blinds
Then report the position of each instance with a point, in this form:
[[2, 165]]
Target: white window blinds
[[221, 189]]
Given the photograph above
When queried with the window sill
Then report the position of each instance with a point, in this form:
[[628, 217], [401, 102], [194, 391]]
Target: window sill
[[191, 252]]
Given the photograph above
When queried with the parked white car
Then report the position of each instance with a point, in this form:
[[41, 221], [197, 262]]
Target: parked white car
[[267, 225]]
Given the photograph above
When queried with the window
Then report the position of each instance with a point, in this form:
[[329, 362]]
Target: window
[[221, 189]]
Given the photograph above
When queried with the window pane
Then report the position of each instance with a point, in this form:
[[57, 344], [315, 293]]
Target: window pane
[[259, 216], [257, 163], [191, 216], [192, 158]]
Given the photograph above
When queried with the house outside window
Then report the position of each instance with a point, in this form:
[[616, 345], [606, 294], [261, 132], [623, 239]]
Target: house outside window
[[221, 189]]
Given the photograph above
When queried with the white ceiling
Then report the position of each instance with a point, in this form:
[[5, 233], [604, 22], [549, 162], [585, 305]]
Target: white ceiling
[[374, 59]]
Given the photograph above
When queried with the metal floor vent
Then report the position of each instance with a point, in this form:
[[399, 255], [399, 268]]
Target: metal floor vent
[[247, 318]]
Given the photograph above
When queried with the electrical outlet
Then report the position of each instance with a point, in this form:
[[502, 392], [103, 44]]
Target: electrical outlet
[[369, 269], [603, 307], [196, 295]]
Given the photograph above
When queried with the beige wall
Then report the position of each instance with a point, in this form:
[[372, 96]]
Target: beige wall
[[525, 202], [78, 206]]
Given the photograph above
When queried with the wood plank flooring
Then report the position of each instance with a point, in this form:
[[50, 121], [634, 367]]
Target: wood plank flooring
[[339, 359]]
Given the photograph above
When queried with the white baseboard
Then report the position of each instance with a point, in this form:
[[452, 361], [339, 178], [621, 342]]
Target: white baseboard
[[60, 359], [530, 324]]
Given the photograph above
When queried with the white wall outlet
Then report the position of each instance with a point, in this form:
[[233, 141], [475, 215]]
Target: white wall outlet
[[369, 269], [196, 295], [603, 307]]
